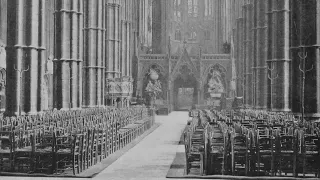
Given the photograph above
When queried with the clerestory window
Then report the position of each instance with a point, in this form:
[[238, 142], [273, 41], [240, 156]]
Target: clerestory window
[[207, 8], [193, 8], [177, 10]]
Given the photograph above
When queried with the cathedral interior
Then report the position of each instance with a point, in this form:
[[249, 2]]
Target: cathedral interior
[[82, 79]]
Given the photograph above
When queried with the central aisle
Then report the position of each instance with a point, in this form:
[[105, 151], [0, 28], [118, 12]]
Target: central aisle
[[152, 157]]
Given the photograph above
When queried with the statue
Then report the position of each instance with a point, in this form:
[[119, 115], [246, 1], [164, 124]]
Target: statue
[[153, 88], [215, 85]]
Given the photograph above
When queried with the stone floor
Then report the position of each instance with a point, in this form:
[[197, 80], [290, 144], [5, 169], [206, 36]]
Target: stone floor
[[148, 160]]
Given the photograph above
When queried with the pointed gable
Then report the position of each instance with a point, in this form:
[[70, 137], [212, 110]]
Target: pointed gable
[[184, 59]]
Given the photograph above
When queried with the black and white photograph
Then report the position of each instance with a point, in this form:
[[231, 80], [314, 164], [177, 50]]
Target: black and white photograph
[[159, 89]]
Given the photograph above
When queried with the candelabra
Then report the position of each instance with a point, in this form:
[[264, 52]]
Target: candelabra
[[20, 71], [303, 55], [271, 78]]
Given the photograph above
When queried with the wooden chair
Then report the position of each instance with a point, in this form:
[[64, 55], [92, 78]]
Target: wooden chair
[[217, 151], [84, 151], [7, 146], [286, 154], [23, 155], [44, 152], [239, 154], [265, 153], [67, 154], [308, 160]]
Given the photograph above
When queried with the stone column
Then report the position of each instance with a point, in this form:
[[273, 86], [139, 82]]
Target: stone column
[[255, 80], [68, 54], [306, 38], [112, 39], [25, 53], [240, 60], [244, 45], [295, 49], [281, 60], [248, 101], [270, 19], [3, 21], [261, 56], [93, 67], [123, 46], [127, 63], [233, 89]]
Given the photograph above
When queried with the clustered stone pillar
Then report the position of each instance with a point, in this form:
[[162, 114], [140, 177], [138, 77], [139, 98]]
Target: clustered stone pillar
[[305, 40], [280, 62], [240, 60], [254, 50], [3, 21], [269, 50], [94, 53], [248, 99], [261, 55], [68, 54], [123, 45], [25, 53], [233, 88], [125, 39], [128, 57], [244, 45], [113, 39]]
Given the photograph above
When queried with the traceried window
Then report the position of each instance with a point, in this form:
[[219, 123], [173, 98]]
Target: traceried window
[[177, 10], [193, 6], [207, 8]]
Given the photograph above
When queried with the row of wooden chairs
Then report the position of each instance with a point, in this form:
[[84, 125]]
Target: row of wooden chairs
[[59, 117], [69, 146], [259, 146], [195, 146]]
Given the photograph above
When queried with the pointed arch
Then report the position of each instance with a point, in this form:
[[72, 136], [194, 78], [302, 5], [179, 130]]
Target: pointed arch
[[217, 66], [219, 73], [147, 68], [184, 60]]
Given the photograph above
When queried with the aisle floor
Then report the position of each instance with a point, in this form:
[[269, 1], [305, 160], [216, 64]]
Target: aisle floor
[[148, 160]]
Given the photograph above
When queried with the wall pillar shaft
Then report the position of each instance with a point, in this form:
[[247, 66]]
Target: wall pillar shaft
[[261, 56], [94, 66], [248, 100], [112, 41], [68, 54], [280, 57], [25, 51]]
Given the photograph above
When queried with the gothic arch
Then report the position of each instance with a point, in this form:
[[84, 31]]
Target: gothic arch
[[184, 60], [218, 66], [147, 68]]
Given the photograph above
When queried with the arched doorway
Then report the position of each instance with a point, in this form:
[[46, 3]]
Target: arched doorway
[[185, 90]]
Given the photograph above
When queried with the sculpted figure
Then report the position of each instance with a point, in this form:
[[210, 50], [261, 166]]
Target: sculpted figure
[[215, 84]]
